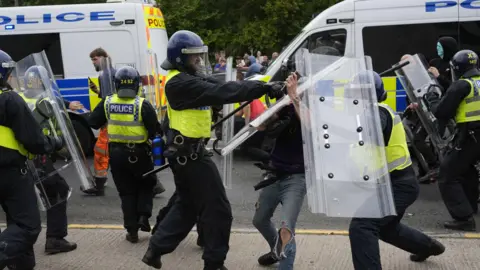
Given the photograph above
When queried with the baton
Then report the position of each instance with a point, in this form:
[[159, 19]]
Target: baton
[[394, 68]]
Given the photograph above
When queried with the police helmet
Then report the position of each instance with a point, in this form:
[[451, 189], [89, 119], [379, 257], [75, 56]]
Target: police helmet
[[127, 82], [33, 80], [463, 63], [6, 67], [364, 78], [183, 44]]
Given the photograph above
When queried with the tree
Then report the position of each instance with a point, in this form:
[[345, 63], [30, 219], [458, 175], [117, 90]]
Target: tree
[[241, 26]]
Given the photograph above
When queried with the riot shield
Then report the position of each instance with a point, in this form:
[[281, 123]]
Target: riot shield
[[346, 168], [225, 162], [152, 89], [106, 77], [417, 82], [318, 63], [37, 85]]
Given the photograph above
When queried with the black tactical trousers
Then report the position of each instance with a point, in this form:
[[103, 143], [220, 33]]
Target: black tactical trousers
[[458, 178], [57, 191], [164, 211], [427, 152], [200, 193], [364, 233], [136, 192], [18, 200]]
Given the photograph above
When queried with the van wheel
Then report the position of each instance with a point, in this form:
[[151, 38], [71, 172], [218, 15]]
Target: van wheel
[[84, 137]]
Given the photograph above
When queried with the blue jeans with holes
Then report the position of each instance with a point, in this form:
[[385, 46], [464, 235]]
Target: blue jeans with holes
[[290, 191]]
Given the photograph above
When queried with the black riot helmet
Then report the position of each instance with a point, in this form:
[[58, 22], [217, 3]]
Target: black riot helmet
[[127, 82], [464, 64]]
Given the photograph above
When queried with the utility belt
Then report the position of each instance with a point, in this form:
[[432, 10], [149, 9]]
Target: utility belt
[[134, 149], [182, 148]]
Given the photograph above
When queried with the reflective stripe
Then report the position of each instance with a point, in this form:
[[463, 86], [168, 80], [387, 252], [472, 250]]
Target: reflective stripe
[[398, 162], [472, 99], [125, 123], [125, 138], [100, 150]]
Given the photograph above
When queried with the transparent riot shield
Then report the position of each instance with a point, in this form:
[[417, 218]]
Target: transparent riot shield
[[417, 82], [319, 63], [106, 77], [225, 162], [347, 172], [37, 84], [152, 88]]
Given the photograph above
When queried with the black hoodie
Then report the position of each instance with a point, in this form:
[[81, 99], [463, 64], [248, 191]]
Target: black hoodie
[[450, 48]]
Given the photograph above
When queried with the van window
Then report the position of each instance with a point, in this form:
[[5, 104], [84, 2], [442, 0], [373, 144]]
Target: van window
[[119, 45], [20, 46], [470, 36], [325, 43], [387, 44]]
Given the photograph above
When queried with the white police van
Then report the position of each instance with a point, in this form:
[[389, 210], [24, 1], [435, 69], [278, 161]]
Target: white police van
[[386, 30], [131, 31]]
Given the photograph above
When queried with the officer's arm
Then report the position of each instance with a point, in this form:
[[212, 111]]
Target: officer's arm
[[187, 92], [66, 102], [97, 118], [446, 108], [386, 123], [27, 131], [150, 119]]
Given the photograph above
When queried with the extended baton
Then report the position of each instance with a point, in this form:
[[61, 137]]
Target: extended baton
[[394, 68]]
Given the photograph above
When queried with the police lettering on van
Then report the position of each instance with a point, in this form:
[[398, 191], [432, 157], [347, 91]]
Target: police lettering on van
[[62, 17], [468, 4]]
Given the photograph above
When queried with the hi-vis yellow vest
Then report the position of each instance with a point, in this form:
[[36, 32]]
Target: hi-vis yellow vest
[[469, 109], [9, 141], [398, 156], [125, 123], [192, 123]]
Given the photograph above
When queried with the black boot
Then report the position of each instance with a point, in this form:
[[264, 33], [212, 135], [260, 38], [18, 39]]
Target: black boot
[[461, 225], [132, 237], [55, 245], [436, 248], [268, 259], [152, 259], [144, 224], [99, 189]]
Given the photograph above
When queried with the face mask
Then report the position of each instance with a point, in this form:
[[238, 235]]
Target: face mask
[[439, 50]]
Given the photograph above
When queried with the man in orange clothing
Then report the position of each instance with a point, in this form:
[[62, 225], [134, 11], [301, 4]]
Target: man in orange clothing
[[100, 159]]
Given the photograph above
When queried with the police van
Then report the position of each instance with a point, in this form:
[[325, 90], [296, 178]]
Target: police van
[[386, 30], [131, 31]]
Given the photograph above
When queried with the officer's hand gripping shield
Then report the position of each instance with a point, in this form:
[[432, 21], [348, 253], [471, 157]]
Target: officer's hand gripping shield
[[344, 153], [225, 162], [50, 112], [417, 82], [106, 76]]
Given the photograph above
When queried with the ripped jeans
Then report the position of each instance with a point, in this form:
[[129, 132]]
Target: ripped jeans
[[290, 191]]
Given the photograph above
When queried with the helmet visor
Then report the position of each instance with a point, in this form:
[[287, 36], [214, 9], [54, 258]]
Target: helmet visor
[[197, 59]]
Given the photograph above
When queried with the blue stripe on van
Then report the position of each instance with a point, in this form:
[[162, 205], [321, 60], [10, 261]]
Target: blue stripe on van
[[401, 97], [75, 90]]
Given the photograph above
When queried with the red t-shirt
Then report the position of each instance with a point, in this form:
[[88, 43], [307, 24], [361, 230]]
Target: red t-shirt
[[256, 108]]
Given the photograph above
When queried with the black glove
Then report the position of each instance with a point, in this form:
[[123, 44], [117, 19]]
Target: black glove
[[275, 89], [430, 98], [57, 142]]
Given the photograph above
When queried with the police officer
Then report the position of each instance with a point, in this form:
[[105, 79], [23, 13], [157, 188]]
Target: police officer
[[200, 192], [55, 185], [365, 232], [132, 121], [21, 135], [458, 178]]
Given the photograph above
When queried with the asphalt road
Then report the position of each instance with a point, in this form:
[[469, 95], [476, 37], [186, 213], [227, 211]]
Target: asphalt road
[[427, 214]]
